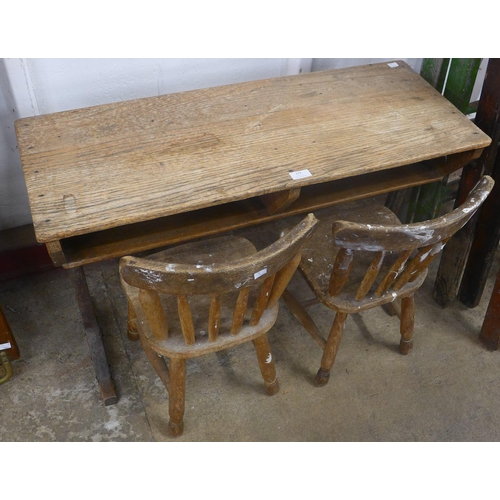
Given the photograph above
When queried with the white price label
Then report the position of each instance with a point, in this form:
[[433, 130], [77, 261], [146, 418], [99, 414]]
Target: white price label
[[393, 65], [3, 347], [260, 273], [300, 174]]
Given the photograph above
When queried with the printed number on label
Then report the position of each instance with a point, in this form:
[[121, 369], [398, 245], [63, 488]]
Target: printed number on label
[[300, 174]]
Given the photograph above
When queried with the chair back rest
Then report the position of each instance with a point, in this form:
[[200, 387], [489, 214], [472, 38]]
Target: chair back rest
[[266, 273], [415, 245]]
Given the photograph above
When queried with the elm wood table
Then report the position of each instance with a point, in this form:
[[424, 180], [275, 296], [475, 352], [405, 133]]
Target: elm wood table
[[117, 179]]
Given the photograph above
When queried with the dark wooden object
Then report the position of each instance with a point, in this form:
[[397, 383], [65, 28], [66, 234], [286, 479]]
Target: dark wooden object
[[203, 297], [483, 248], [490, 330], [21, 254], [94, 336], [463, 270], [372, 260], [6, 337], [487, 232], [9, 351]]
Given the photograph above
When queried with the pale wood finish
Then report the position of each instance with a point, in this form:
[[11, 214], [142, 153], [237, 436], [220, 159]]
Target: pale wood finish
[[151, 305], [277, 202], [132, 332], [105, 166], [341, 270], [182, 227], [56, 252], [240, 310], [407, 323], [129, 177], [281, 280], [361, 256], [206, 296]]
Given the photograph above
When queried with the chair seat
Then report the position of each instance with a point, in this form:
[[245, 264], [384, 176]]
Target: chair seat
[[206, 253], [317, 268]]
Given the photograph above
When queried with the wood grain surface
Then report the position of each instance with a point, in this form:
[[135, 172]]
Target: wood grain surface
[[106, 166]]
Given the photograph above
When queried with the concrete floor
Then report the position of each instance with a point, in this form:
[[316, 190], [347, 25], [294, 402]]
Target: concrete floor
[[446, 389]]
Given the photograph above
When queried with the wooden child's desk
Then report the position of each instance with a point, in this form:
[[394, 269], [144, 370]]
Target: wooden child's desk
[[121, 178]]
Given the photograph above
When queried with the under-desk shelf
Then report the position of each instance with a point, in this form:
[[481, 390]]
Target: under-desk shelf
[[174, 229]]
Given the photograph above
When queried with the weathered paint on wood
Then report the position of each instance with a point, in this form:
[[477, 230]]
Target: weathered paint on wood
[[461, 81], [434, 71]]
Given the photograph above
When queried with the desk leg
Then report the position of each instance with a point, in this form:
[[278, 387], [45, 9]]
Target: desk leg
[[94, 336], [490, 331]]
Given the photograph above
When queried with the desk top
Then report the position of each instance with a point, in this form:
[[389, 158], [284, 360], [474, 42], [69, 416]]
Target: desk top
[[106, 166]]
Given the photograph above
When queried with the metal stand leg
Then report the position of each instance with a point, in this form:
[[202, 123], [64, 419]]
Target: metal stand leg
[[94, 336]]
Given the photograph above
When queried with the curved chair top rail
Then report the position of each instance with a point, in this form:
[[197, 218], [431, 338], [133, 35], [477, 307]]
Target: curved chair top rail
[[172, 278], [379, 238]]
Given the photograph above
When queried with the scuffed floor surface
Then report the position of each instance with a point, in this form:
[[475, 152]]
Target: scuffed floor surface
[[446, 389]]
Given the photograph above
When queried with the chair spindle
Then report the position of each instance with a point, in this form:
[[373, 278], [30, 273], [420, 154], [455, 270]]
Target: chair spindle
[[283, 277], [214, 318], [341, 269], [239, 311], [395, 270], [262, 300], [370, 276], [186, 319], [153, 310], [419, 263]]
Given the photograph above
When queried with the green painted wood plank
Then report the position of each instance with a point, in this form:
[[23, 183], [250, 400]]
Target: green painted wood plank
[[434, 71], [458, 79], [460, 82]]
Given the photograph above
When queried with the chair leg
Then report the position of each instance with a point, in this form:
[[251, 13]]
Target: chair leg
[[157, 362], [176, 396], [303, 317], [266, 364], [407, 324], [331, 348], [390, 309], [132, 332]]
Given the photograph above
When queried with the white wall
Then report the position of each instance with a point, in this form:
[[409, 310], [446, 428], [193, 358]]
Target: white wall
[[324, 64], [37, 86], [14, 209]]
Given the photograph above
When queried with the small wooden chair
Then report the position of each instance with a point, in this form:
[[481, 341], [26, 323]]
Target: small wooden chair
[[372, 260], [206, 296]]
